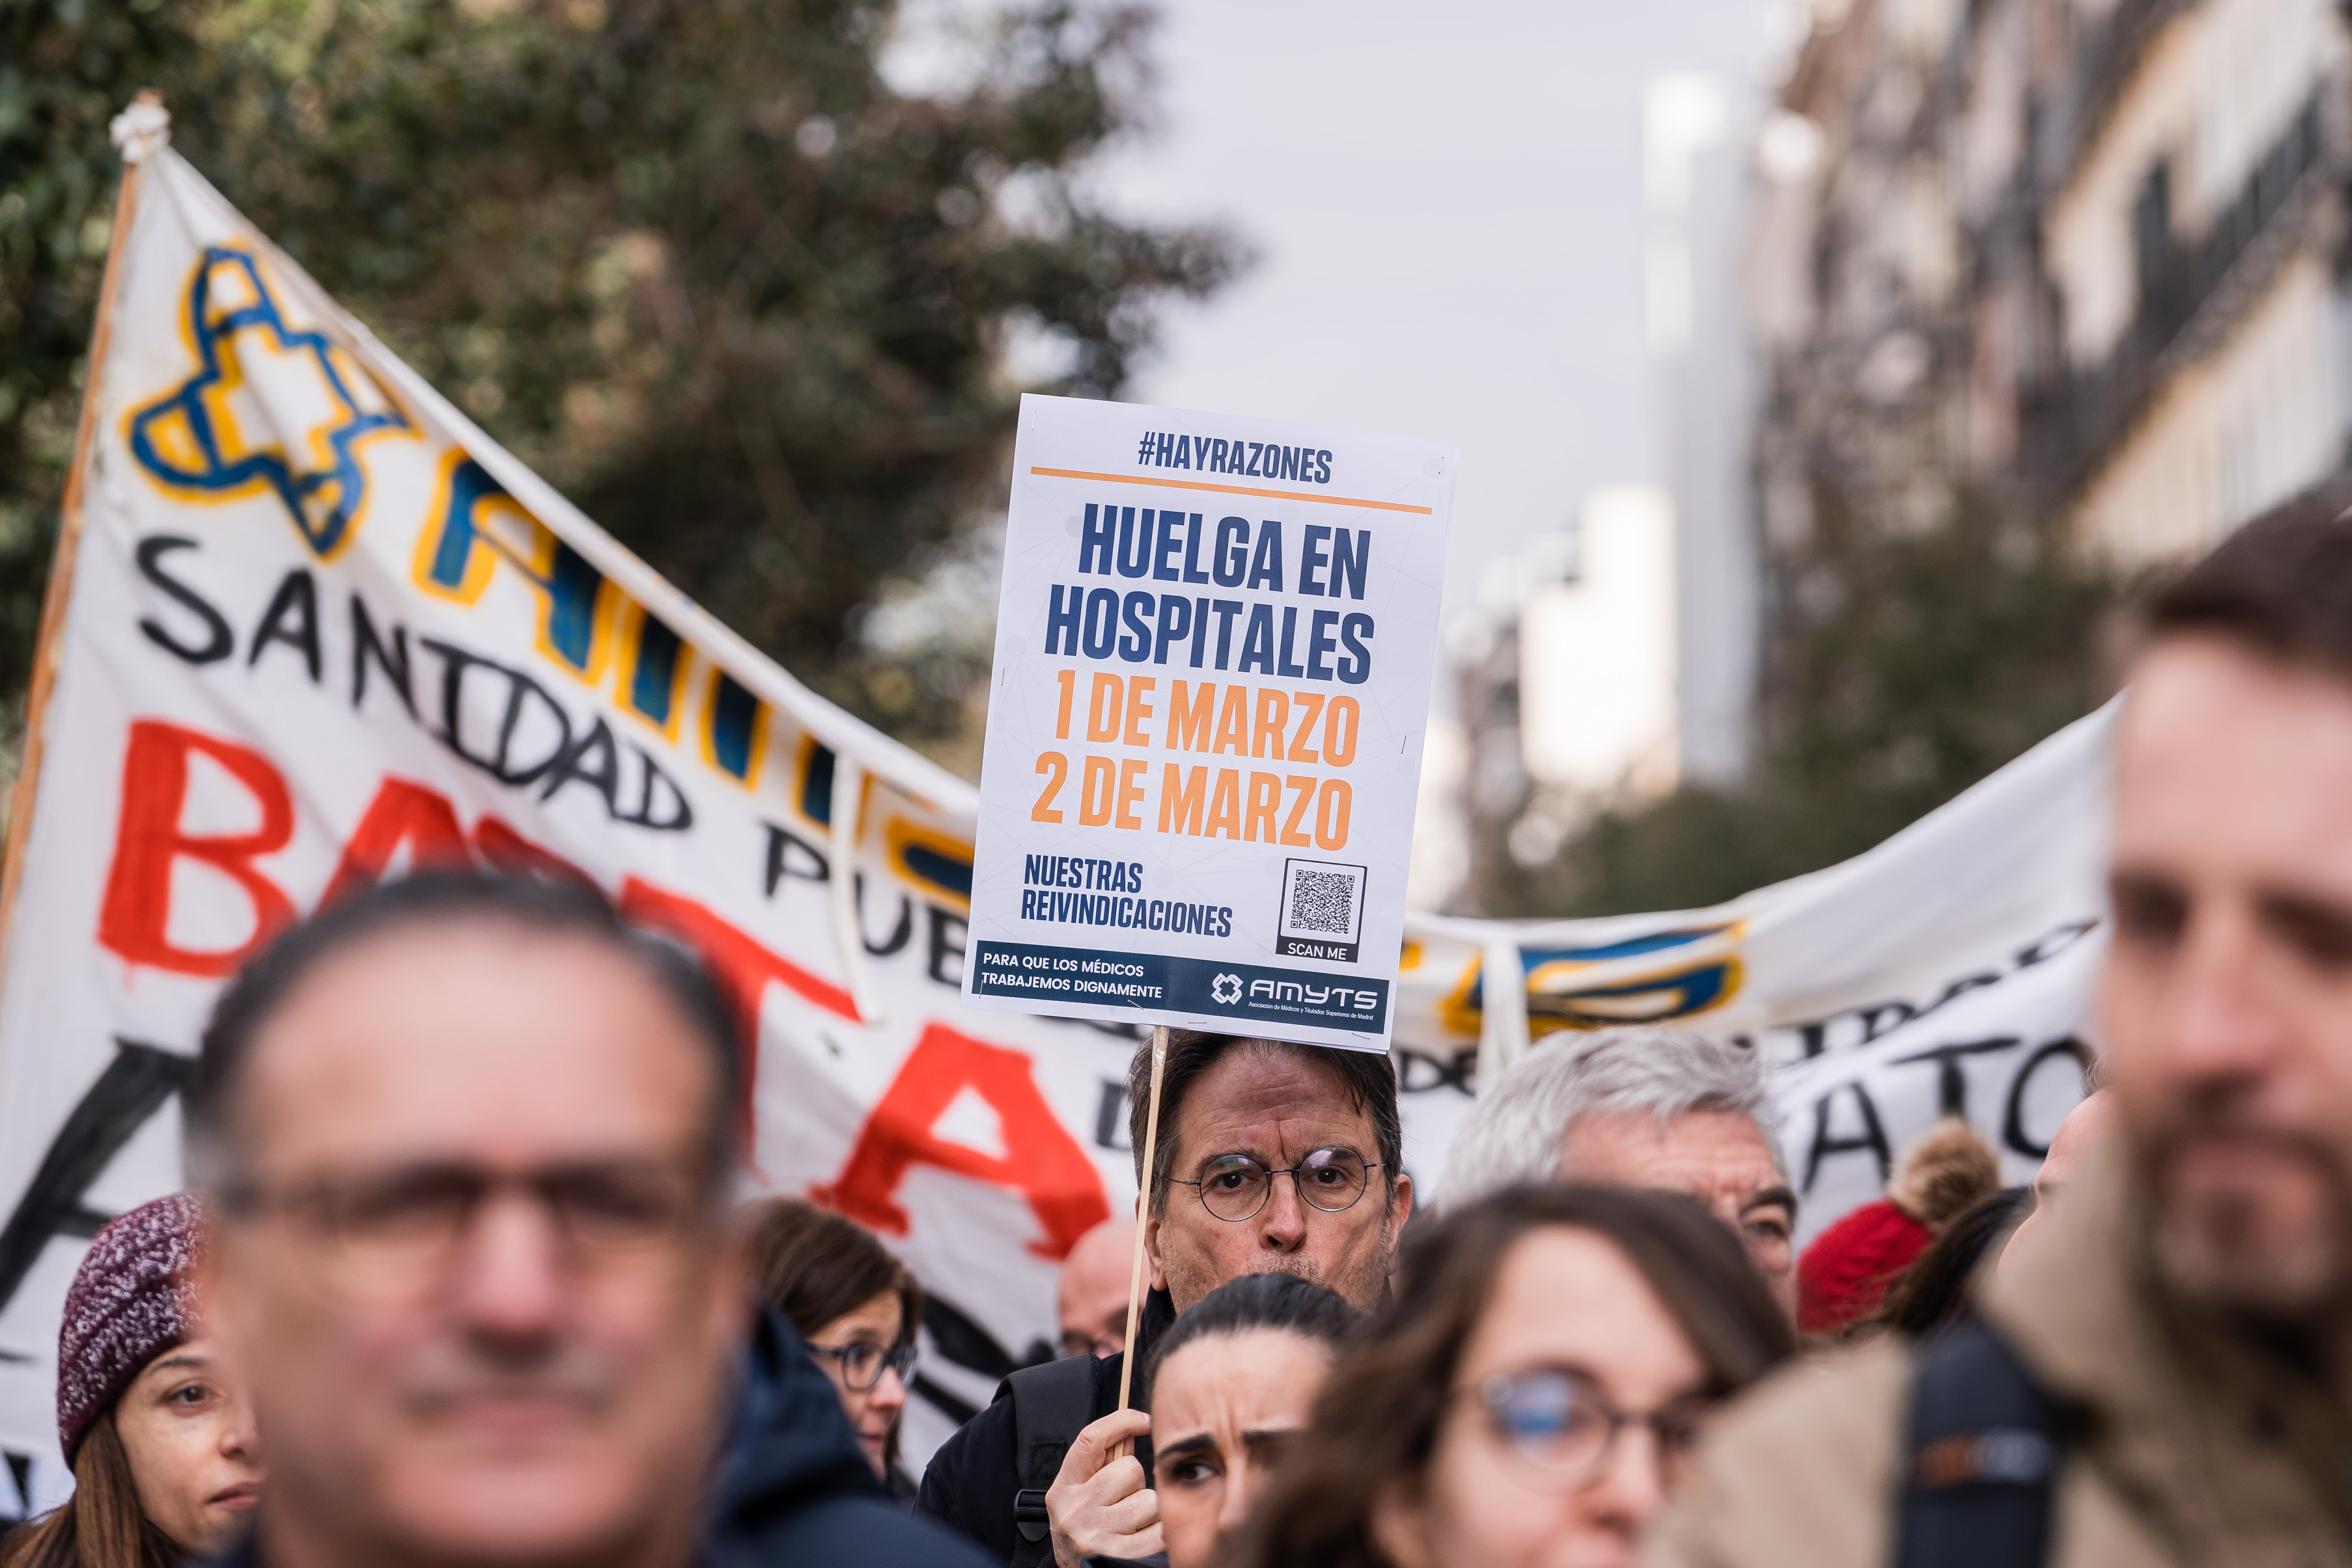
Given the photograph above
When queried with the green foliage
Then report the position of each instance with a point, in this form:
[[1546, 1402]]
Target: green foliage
[[65, 71], [694, 260], [1900, 668]]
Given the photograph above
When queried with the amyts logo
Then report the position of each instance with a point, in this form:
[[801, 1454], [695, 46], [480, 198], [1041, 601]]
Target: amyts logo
[[1556, 1000], [1226, 989]]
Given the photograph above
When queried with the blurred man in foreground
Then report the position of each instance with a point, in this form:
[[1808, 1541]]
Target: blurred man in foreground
[[2161, 1371], [1271, 1156], [471, 1141], [1659, 1108], [1090, 1298]]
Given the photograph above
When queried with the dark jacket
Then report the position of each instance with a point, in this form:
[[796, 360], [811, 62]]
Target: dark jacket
[[793, 1487], [796, 1488], [971, 1479]]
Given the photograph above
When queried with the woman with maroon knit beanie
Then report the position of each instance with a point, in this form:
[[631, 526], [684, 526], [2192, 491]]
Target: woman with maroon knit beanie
[[166, 1466]]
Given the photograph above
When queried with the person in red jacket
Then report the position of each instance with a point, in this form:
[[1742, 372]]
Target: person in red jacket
[[1844, 1275]]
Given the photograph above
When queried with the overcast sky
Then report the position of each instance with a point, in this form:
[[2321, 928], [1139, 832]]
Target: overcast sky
[[1446, 202]]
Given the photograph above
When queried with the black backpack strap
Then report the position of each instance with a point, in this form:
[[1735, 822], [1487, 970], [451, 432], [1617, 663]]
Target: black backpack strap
[[1052, 1404], [1981, 1461]]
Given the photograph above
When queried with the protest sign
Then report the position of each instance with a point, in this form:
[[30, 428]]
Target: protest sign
[[311, 627], [1213, 651]]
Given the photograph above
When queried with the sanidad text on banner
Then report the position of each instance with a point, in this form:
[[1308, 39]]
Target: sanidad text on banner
[[1213, 653]]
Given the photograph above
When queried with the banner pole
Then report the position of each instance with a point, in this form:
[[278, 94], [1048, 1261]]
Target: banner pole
[[1143, 1212], [138, 135], [1503, 1035], [848, 934]]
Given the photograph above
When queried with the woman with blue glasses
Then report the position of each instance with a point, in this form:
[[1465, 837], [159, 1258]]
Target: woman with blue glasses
[[1532, 1394]]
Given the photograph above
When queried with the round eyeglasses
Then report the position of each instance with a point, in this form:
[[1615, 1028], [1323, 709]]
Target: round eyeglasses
[[861, 1365], [1234, 1187], [1558, 1421]]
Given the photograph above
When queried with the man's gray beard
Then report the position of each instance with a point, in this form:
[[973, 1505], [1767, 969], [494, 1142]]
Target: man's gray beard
[[2215, 1250], [1364, 1294]]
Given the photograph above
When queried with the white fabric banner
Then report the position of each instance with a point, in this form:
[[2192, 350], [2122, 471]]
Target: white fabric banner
[[323, 630], [1947, 971]]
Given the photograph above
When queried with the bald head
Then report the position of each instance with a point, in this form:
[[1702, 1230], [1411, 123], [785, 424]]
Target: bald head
[[2085, 1127], [1092, 1296]]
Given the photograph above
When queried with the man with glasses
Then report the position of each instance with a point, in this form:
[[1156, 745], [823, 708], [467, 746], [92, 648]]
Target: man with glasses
[[1271, 1156], [1644, 1106], [2160, 1371], [471, 1142]]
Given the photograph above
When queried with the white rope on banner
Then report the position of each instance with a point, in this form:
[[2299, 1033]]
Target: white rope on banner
[[848, 934], [1503, 1009]]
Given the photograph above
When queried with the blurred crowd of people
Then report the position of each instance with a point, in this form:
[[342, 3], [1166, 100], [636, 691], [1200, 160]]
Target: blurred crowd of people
[[463, 1278]]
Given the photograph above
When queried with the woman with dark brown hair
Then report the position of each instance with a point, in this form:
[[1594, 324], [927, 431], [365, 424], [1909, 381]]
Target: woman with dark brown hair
[[1530, 1395], [854, 1305], [167, 1466]]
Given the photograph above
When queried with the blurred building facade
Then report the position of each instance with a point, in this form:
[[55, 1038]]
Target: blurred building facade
[[1492, 788], [1600, 662], [1696, 178], [1617, 659], [2085, 258], [1569, 686]]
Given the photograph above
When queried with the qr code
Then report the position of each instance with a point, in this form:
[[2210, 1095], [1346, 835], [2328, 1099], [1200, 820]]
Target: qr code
[[1321, 912], [1322, 901]]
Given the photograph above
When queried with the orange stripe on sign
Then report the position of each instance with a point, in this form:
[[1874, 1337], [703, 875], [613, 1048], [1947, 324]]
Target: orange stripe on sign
[[1232, 489]]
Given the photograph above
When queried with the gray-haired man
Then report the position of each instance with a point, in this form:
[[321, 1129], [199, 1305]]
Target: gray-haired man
[[1640, 1107]]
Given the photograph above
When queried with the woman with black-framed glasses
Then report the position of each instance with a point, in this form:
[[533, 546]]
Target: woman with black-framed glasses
[[856, 1307], [1531, 1394]]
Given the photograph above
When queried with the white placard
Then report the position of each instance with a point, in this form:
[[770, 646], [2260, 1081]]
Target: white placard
[[1213, 652]]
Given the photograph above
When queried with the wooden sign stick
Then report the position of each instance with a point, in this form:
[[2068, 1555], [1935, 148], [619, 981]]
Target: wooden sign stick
[[49, 639], [1143, 1212]]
